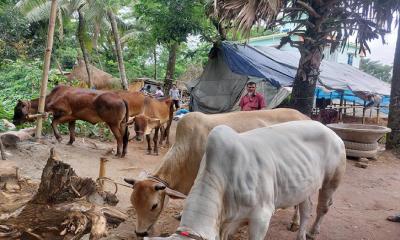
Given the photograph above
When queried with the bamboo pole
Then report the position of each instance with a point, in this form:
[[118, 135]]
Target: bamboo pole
[[46, 67], [3, 154]]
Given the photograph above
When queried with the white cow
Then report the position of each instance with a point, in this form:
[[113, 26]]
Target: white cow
[[244, 178]]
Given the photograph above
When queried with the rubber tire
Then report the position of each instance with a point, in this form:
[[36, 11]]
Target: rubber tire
[[361, 146], [361, 154]]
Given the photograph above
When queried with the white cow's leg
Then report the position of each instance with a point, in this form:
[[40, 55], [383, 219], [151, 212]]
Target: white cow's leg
[[258, 226], [305, 209], [294, 225], [324, 201]]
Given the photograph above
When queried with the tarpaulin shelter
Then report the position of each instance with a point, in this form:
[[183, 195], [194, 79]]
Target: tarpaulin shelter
[[231, 65]]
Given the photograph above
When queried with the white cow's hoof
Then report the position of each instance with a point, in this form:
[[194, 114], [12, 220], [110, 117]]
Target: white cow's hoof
[[293, 227]]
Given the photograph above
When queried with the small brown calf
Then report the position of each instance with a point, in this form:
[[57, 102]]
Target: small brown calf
[[156, 114]]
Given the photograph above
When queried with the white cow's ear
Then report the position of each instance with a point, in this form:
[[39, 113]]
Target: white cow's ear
[[174, 194], [130, 181]]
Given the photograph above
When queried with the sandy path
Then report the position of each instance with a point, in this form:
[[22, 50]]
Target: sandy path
[[363, 201]]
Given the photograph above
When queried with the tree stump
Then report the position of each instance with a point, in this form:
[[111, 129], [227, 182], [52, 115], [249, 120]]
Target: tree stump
[[65, 207]]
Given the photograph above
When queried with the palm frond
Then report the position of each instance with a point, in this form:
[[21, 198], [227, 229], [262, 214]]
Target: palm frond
[[25, 6], [39, 13], [245, 13], [132, 34]]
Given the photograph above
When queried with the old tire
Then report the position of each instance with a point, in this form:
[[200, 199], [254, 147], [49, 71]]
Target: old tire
[[361, 154], [361, 146]]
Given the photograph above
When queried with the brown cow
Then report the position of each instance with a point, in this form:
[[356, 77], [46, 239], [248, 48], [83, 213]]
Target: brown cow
[[156, 114], [69, 104], [23, 109]]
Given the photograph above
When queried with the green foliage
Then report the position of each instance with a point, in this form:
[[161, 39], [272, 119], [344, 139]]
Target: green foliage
[[18, 39], [164, 22], [377, 69]]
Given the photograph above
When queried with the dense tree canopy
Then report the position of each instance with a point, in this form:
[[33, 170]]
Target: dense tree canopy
[[377, 69]]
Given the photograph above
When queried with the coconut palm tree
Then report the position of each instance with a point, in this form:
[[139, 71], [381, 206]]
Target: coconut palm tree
[[101, 10], [39, 10], [393, 141], [318, 24]]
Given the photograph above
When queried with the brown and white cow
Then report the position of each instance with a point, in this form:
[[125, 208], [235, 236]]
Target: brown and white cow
[[180, 165], [156, 114], [68, 104]]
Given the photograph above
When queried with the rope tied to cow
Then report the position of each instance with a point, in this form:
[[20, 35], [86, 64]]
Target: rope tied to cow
[[149, 176], [98, 181], [189, 235]]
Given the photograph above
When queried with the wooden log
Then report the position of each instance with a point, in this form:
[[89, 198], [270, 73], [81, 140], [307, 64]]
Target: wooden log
[[65, 207], [11, 138]]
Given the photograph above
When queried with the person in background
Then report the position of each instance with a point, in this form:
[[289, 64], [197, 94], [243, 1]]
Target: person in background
[[174, 94], [146, 90], [159, 93], [252, 100]]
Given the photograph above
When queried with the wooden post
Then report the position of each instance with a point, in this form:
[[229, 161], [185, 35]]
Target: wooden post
[[46, 67], [3, 154], [377, 113], [354, 108], [102, 171], [341, 105], [345, 107], [363, 115]]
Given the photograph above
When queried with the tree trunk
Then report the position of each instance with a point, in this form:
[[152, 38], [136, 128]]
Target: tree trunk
[[80, 33], [306, 79], [169, 76], [155, 62], [118, 49], [65, 207], [393, 140], [46, 66]]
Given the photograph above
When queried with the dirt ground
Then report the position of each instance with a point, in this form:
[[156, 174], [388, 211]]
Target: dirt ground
[[361, 204]]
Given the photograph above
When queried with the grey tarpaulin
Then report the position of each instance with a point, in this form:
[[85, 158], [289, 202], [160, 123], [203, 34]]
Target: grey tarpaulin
[[336, 76], [223, 80]]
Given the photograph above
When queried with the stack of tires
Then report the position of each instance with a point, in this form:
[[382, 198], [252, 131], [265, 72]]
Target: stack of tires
[[361, 150]]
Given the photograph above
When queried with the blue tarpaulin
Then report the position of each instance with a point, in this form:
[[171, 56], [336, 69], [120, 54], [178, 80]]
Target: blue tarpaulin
[[250, 62], [231, 65]]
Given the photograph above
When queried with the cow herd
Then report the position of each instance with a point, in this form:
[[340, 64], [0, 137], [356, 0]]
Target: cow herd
[[233, 168]]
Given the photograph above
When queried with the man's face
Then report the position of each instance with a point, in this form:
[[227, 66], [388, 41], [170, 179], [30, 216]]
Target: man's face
[[251, 88]]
